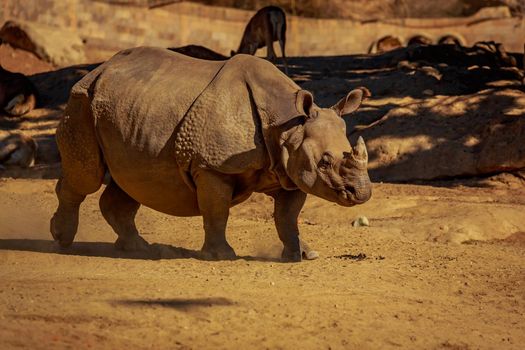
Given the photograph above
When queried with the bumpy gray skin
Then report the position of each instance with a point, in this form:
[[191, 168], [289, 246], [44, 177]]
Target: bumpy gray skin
[[190, 137]]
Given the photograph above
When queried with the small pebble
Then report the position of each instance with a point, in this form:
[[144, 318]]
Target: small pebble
[[360, 221]]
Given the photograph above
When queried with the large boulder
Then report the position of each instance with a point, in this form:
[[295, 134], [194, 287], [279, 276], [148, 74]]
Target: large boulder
[[444, 137], [59, 47]]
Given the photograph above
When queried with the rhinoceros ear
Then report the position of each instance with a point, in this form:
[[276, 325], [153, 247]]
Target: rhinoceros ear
[[351, 101], [304, 102]]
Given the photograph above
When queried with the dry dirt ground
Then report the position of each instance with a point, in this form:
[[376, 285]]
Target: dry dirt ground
[[440, 267], [403, 282]]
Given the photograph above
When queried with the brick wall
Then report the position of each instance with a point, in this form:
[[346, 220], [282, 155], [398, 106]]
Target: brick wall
[[107, 27]]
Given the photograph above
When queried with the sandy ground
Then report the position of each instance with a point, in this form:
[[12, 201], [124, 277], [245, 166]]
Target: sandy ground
[[439, 268]]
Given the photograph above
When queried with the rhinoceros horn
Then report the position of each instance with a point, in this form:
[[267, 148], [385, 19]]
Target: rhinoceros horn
[[359, 156]]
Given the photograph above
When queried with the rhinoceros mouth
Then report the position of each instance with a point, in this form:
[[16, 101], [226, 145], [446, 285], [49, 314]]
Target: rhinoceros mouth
[[347, 197]]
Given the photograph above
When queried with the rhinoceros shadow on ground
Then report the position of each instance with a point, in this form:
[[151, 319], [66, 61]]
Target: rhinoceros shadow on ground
[[180, 304], [156, 251]]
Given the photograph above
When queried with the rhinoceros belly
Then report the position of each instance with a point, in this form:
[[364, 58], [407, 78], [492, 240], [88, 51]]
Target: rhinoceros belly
[[142, 162], [153, 181]]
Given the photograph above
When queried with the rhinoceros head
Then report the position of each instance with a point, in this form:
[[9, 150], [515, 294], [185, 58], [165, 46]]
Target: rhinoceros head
[[318, 157]]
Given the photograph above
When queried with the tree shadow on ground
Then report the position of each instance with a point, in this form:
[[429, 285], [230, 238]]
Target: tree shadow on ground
[[156, 251], [416, 71], [451, 137]]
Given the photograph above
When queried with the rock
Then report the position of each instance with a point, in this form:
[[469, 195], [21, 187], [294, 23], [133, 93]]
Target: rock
[[360, 221], [56, 46]]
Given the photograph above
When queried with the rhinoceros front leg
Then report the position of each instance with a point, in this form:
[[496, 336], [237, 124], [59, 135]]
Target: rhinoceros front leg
[[214, 194], [287, 206]]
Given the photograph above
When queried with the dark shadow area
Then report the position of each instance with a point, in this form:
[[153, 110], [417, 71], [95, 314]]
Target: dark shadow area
[[8, 122], [485, 180], [180, 304], [156, 251], [416, 71], [39, 171], [54, 86], [409, 77], [47, 149], [366, 115], [464, 137]]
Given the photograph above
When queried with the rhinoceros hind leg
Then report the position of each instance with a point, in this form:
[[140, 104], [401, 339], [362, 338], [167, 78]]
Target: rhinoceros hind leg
[[119, 210], [82, 166], [214, 194], [64, 223]]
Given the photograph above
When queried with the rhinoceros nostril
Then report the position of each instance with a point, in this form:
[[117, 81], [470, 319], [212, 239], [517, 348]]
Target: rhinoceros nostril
[[350, 189]]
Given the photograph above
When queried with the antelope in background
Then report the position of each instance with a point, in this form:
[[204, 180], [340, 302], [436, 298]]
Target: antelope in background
[[265, 27]]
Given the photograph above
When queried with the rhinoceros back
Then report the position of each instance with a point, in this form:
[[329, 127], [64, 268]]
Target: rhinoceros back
[[140, 97]]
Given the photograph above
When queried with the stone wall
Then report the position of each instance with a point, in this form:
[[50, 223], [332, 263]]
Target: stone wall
[[107, 27]]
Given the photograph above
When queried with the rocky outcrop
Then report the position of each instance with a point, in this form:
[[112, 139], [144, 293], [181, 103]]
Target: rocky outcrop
[[59, 47]]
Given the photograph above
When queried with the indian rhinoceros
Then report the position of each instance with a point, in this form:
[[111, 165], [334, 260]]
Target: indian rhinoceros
[[189, 137]]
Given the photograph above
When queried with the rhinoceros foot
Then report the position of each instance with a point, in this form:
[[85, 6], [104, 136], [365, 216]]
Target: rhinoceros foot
[[307, 252], [289, 255], [131, 244], [218, 252], [63, 228]]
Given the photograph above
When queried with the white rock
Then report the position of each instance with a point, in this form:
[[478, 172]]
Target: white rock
[[361, 221]]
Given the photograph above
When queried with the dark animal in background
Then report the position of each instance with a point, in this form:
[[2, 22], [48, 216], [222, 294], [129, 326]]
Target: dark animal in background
[[385, 44], [265, 27], [419, 40], [17, 149], [198, 51], [449, 40], [498, 50], [17, 94]]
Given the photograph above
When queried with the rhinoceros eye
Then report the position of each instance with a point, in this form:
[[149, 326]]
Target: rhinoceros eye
[[326, 161]]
